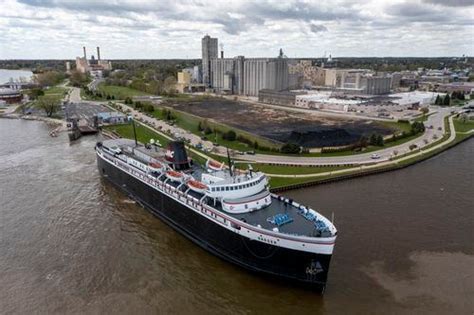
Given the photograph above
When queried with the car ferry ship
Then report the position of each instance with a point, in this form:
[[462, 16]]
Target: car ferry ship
[[230, 213]]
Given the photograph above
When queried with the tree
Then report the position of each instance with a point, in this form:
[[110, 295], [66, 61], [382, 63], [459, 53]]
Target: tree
[[50, 104], [35, 93], [373, 139], [77, 78], [170, 85], [229, 135], [417, 127], [149, 108], [379, 141], [363, 142], [447, 100], [48, 78], [438, 100], [290, 148]]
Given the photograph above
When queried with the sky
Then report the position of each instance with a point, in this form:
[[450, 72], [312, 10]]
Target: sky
[[152, 29]]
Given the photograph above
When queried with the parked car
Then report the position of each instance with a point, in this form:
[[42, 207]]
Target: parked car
[[375, 156], [250, 152]]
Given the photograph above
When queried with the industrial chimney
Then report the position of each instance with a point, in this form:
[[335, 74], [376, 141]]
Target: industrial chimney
[[98, 53], [222, 54], [84, 48]]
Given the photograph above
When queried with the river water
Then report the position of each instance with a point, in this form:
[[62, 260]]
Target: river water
[[71, 243], [15, 75]]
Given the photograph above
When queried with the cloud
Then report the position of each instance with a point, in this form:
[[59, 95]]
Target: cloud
[[318, 28], [171, 29], [451, 3]]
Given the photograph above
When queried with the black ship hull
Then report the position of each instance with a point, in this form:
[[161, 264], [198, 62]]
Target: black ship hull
[[302, 267]]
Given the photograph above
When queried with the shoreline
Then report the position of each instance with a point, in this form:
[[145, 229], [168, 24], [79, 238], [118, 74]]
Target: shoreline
[[60, 125], [368, 172], [51, 122]]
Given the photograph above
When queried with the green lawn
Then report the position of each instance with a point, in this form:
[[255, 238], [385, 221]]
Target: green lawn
[[120, 92], [56, 90], [144, 134], [395, 125], [423, 118], [461, 126], [290, 170], [276, 182]]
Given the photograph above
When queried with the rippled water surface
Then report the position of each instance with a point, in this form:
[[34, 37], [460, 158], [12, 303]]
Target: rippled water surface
[[70, 242]]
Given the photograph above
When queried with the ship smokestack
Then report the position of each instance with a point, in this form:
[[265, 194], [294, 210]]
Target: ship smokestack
[[84, 48], [98, 53], [176, 154]]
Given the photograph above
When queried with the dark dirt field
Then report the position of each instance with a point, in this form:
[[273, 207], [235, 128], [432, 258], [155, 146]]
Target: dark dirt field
[[308, 130]]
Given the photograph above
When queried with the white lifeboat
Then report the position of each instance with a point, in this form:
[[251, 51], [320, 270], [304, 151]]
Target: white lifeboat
[[175, 176], [197, 186], [214, 165], [155, 166]]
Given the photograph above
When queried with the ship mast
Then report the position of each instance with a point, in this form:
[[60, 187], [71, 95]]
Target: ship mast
[[230, 163], [134, 132]]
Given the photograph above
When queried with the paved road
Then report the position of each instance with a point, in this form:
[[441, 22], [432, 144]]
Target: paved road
[[436, 120], [74, 95], [451, 138], [93, 85]]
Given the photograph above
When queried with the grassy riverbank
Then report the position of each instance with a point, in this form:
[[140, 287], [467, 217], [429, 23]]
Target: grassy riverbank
[[287, 176], [462, 133]]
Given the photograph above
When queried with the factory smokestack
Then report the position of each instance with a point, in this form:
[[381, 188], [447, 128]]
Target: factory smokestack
[[84, 48], [98, 53], [222, 54]]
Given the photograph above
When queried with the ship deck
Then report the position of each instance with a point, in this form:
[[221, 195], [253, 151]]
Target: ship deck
[[293, 221], [297, 223]]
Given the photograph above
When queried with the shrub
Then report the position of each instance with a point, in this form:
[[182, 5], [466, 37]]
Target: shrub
[[229, 135], [290, 148], [207, 130]]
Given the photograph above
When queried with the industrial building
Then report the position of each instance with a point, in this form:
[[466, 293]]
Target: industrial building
[[92, 66], [303, 73], [188, 80], [357, 81], [209, 51], [247, 76], [286, 98]]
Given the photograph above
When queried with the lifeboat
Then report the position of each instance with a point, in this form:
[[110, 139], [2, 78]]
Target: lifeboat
[[174, 176], [214, 165], [155, 166], [197, 186]]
